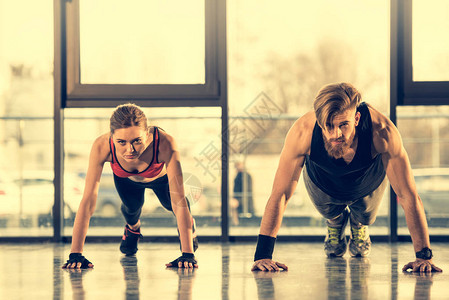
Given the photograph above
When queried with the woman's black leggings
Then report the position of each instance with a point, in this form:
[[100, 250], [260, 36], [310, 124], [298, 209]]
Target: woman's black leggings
[[132, 195]]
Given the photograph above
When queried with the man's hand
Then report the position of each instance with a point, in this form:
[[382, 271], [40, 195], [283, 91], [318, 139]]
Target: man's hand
[[267, 264], [422, 266]]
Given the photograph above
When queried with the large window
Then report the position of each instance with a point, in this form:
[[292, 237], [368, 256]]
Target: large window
[[116, 49], [26, 118], [156, 55], [423, 57], [430, 50], [424, 130], [279, 56], [421, 81], [163, 52]]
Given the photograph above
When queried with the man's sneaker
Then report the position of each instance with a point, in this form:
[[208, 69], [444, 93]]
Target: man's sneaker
[[335, 242], [359, 242], [129, 241]]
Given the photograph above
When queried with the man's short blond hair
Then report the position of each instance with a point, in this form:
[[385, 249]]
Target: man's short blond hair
[[334, 99]]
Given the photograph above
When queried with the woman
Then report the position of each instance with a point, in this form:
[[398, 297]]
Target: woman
[[141, 157]]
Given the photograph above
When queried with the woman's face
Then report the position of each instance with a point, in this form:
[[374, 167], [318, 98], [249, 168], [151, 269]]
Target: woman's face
[[130, 142]]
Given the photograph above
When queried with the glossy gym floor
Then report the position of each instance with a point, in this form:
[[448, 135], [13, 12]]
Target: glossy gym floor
[[33, 271]]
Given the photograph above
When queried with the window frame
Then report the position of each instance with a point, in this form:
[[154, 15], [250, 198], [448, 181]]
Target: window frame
[[69, 95], [417, 92], [78, 94], [62, 50]]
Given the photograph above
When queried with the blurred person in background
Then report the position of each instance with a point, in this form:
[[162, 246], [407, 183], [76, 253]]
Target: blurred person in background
[[242, 201]]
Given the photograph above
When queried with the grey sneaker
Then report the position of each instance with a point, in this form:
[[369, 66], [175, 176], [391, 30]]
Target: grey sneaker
[[360, 242], [335, 242]]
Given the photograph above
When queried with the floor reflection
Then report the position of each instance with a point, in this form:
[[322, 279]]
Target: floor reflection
[[185, 282], [423, 285], [76, 281], [337, 277], [335, 270], [359, 274], [224, 273], [131, 275], [346, 279], [132, 280], [265, 283]]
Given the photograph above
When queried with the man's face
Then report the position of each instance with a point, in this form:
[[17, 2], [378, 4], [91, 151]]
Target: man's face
[[339, 136]]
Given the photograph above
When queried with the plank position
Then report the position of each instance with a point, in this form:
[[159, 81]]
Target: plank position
[[349, 149], [141, 157]]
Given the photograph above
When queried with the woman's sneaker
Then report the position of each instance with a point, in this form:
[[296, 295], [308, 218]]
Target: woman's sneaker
[[359, 242], [129, 241], [335, 242]]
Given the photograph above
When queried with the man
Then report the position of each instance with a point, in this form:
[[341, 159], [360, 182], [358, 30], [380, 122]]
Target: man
[[347, 147]]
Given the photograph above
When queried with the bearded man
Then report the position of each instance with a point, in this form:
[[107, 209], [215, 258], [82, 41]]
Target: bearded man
[[349, 149]]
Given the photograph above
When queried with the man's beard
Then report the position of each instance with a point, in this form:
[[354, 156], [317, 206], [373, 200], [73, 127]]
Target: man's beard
[[337, 151]]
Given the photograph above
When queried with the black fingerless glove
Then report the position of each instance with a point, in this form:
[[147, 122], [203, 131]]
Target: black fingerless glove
[[78, 258], [185, 257]]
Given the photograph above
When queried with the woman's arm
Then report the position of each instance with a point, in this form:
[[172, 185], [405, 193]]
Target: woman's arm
[[97, 158], [170, 155]]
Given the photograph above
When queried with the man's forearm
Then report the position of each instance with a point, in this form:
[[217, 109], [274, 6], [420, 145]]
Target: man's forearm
[[417, 224], [272, 217]]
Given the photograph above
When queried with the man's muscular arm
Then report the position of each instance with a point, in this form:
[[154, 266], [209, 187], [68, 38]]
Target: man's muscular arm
[[296, 146], [388, 142]]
